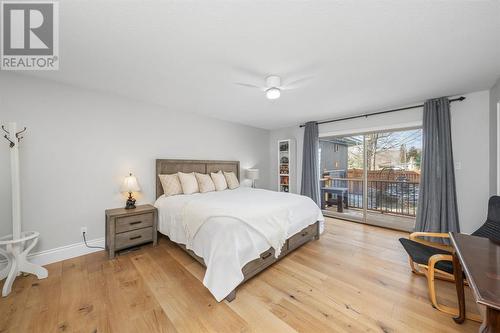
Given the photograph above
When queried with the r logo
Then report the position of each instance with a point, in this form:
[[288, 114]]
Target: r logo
[[28, 28], [30, 35]]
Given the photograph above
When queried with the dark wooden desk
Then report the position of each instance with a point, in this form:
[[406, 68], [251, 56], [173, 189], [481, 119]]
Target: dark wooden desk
[[479, 258]]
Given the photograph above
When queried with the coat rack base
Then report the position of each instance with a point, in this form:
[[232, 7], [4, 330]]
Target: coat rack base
[[16, 252]]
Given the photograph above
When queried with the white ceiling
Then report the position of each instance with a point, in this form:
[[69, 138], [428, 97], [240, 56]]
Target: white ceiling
[[362, 55]]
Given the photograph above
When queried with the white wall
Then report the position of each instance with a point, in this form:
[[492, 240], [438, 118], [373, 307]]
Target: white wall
[[80, 144], [470, 134], [494, 100]]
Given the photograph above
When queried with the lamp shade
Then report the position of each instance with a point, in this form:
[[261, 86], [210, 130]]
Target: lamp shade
[[130, 184], [253, 174]]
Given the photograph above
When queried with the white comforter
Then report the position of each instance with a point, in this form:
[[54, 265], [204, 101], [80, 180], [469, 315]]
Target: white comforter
[[230, 228]]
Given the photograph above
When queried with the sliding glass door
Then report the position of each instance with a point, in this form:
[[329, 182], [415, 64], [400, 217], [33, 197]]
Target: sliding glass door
[[342, 176], [372, 178]]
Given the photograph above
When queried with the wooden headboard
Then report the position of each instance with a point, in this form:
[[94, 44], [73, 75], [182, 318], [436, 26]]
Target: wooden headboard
[[165, 167]]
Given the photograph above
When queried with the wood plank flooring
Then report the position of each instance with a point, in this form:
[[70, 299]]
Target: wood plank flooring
[[354, 279]]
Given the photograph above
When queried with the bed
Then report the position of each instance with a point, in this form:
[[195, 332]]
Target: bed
[[231, 249]]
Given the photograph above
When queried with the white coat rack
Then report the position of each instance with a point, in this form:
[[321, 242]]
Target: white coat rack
[[16, 247]]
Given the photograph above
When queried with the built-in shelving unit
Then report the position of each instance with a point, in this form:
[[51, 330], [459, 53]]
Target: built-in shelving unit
[[286, 164]]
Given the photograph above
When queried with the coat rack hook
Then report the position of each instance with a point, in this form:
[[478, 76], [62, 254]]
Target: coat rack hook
[[3, 128], [18, 134], [11, 144]]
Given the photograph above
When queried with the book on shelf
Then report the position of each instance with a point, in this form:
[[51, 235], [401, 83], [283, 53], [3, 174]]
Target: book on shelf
[[286, 165]]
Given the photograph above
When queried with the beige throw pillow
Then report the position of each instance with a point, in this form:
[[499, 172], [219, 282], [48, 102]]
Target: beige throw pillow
[[171, 184], [188, 183], [232, 180], [205, 183], [219, 181]]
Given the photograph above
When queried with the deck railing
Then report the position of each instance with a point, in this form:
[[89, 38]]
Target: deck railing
[[385, 196]]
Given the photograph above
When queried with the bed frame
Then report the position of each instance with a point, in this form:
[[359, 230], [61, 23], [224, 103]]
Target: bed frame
[[266, 259]]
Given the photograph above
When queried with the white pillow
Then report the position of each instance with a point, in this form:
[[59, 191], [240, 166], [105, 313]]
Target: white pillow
[[232, 180], [171, 184], [188, 183], [205, 183], [219, 181]]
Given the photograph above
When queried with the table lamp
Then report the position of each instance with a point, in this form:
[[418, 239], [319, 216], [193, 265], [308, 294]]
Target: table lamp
[[253, 174], [130, 185]]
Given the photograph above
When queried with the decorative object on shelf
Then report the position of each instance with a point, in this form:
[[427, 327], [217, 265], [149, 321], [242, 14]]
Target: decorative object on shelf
[[286, 164], [130, 185], [16, 247], [283, 169], [253, 174]]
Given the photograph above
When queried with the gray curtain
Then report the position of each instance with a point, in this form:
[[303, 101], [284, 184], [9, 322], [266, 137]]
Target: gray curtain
[[310, 166], [437, 203]]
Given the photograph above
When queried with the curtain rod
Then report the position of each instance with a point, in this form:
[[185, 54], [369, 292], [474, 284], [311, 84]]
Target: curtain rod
[[458, 99]]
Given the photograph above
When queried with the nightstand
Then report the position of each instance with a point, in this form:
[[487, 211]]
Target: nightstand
[[130, 227]]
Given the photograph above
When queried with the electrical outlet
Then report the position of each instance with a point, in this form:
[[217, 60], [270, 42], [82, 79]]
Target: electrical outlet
[[83, 230]]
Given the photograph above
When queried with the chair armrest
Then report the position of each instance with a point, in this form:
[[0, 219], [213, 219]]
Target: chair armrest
[[438, 257], [416, 237]]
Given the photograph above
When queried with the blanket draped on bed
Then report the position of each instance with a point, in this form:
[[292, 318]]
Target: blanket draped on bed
[[267, 212]]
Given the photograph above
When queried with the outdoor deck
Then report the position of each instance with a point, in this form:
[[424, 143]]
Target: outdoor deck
[[391, 203], [392, 221]]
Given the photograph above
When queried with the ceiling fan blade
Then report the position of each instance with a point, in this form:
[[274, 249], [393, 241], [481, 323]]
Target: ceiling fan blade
[[249, 72], [296, 83], [249, 85]]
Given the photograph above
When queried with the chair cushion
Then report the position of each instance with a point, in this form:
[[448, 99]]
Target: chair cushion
[[494, 209], [489, 230], [421, 253]]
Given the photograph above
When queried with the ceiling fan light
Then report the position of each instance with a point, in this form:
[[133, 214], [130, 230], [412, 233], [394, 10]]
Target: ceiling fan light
[[273, 93]]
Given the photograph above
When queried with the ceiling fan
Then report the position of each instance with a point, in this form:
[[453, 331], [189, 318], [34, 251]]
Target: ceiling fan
[[274, 87]]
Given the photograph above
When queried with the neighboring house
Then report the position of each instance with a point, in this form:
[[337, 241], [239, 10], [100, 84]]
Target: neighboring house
[[333, 155]]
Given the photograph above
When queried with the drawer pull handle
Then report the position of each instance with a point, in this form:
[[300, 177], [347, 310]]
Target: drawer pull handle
[[135, 237], [136, 222], [304, 233], [266, 255]]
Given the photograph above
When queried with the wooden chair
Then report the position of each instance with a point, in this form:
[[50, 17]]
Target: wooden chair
[[434, 260]]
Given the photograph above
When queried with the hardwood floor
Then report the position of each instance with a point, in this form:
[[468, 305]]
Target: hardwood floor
[[356, 278]]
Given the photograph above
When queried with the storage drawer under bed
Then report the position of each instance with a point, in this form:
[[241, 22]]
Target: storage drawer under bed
[[253, 267], [302, 237], [267, 257]]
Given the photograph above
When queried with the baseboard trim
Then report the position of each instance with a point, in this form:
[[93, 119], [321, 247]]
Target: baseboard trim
[[65, 252]]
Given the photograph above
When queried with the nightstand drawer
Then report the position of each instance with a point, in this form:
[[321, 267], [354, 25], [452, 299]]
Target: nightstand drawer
[[127, 223], [134, 237]]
